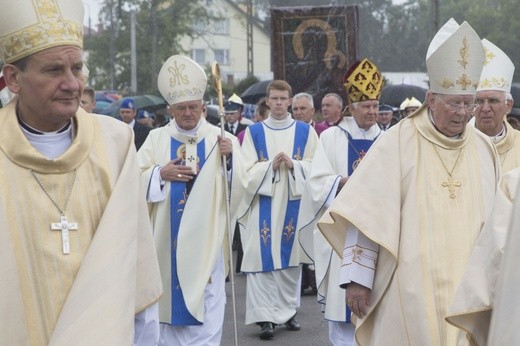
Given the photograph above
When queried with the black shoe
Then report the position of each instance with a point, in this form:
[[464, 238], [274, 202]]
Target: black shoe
[[292, 324], [267, 331]]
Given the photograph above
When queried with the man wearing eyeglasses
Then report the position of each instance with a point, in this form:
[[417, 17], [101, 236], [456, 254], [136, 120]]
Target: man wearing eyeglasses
[[493, 102], [426, 187], [472, 306]]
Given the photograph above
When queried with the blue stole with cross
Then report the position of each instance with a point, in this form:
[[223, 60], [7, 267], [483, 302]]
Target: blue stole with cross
[[357, 149], [301, 135], [178, 197]]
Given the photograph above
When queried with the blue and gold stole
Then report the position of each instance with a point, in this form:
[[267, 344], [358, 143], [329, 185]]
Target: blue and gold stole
[[301, 135], [357, 149], [178, 198]]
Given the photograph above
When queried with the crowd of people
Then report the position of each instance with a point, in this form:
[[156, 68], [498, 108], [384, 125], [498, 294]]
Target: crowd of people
[[115, 233]]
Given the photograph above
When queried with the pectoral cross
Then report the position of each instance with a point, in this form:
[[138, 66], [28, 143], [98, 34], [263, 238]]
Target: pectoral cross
[[64, 226], [451, 185]]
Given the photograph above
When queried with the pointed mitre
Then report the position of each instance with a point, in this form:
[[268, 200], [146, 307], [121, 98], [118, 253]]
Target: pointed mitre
[[27, 27], [181, 79], [498, 70], [363, 81], [454, 59]]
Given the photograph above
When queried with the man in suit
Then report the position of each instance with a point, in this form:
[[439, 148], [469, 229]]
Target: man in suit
[[127, 113], [233, 112]]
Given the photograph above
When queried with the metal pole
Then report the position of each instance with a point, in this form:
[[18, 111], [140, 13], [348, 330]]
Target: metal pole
[[215, 71], [133, 54]]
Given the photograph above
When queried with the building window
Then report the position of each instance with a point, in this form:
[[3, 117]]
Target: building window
[[221, 26], [222, 56], [199, 55], [199, 27]]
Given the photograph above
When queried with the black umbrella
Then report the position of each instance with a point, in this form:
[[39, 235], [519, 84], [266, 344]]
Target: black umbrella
[[255, 92], [394, 95]]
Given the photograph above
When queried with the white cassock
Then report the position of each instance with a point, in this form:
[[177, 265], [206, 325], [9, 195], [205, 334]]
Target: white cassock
[[269, 213], [190, 229], [340, 147]]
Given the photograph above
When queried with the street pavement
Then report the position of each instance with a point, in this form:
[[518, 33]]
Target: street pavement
[[314, 330]]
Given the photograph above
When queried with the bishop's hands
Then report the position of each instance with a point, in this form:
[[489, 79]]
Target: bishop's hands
[[173, 171], [282, 159], [225, 145], [358, 299]]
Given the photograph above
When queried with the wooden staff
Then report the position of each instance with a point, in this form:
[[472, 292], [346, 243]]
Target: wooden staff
[[215, 72]]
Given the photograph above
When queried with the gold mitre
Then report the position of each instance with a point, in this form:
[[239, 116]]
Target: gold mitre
[[454, 59], [363, 81], [27, 27], [498, 70], [181, 79]]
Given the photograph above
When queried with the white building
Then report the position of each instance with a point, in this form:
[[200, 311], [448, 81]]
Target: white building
[[224, 40]]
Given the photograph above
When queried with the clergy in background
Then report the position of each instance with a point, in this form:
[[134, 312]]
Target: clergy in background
[[77, 260], [494, 102], [181, 167], [475, 297], [427, 186], [277, 154], [340, 150]]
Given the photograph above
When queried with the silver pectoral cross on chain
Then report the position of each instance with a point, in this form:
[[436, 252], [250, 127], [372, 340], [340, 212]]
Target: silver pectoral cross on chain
[[64, 226]]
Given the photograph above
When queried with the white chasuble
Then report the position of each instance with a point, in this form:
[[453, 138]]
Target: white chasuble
[[269, 236], [197, 238], [425, 199], [88, 296], [476, 295], [331, 161], [509, 149]]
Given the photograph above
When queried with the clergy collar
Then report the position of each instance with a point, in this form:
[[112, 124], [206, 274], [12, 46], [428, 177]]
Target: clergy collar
[[30, 129], [279, 124], [192, 132], [498, 137]]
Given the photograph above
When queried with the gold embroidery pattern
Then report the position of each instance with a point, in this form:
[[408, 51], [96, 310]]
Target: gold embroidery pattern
[[364, 257], [177, 79], [464, 53], [464, 81], [298, 155], [494, 82], [488, 56], [262, 157], [265, 233], [446, 83], [356, 163], [182, 202], [52, 29], [289, 230]]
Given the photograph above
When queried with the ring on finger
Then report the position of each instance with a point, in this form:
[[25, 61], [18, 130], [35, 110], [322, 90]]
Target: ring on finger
[[179, 175]]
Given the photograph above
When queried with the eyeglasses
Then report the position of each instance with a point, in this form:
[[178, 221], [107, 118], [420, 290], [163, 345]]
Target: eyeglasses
[[455, 106], [492, 102]]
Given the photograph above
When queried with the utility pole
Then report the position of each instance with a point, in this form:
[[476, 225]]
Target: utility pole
[[133, 53], [434, 17], [250, 68], [112, 46]]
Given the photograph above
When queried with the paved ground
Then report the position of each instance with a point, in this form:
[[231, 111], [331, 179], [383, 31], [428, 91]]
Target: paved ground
[[314, 329]]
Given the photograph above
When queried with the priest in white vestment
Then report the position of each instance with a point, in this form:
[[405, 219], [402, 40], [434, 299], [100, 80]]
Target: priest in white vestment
[[340, 150], [428, 185], [277, 154], [77, 260], [494, 102], [475, 297], [182, 170]]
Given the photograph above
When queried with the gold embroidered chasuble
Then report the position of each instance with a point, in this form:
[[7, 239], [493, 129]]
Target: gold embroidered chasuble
[[476, 296], [89, 296], [425, 236], [203, 228], [509, 149]]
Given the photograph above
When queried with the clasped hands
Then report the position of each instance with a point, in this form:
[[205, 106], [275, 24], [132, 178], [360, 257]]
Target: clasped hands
[[282, 158], [358, 299]]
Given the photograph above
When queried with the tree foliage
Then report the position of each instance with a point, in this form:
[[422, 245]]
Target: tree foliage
[[395, 36]]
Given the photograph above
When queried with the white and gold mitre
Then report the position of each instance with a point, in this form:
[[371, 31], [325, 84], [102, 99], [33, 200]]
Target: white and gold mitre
[[30, 26], [181, 79], [498, 70], [454, 59]]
